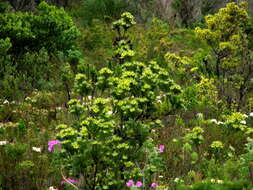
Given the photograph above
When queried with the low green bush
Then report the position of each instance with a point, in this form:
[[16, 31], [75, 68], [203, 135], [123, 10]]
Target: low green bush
[[29, 43], [218, 185]]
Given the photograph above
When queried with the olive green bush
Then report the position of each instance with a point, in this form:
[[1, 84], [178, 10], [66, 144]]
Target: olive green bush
[[29, 41], [229, 62], [110, 138], [218, 185]]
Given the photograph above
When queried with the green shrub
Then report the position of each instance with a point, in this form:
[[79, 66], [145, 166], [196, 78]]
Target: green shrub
[[29, 42], [226, 33], [110, 142], [219, 185]]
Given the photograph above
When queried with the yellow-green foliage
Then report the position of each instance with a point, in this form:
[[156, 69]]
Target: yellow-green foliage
[[207, 92], [222, 26], [217, 145], [226, 33], [114, 118]]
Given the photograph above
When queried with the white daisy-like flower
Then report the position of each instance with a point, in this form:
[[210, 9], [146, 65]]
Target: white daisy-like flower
[[212, 180], [219, 181], [214, 121], [251, 114], [243, 122], [159, 101], [3, 143], [28, 99], [59, 108], [52, 188], [36, 149], [89, 97], [6, 102], [245, 116], [220, 123]]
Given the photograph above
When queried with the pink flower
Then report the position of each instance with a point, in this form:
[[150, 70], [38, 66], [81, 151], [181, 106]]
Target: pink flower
[[69, 180], [138, 184], [154, 185], [51, 144], [130, 183], [161, 148]]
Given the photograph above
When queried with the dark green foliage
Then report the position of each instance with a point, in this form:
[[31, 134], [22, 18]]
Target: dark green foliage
[[208, 7], [49, 28], [3, 7], [29, 41], [240, 185], [112, 128], [102, 9]]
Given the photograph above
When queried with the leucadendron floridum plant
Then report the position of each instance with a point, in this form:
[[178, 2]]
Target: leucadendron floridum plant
[[106, 145]]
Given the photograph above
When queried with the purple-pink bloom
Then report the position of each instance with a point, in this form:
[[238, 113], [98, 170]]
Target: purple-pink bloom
[[138, 184], [161, 148], [130, 183], [69, 180], [154, 185], [51, 144]]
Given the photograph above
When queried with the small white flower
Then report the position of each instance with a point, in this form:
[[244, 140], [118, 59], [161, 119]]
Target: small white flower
[[158, 97], [89, 97], [28, 99], [159, 101], [219, 181], [220, 123], [176, 180], [52, 188], [109, 112], [6, 102], [251, 114], [200, 115], [214, 121], [59, 108], [3, 143], [36, 149], [245, 116], [160, 176], [243, 122]]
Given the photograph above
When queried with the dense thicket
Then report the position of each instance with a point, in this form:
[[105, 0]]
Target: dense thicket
[[30, 41], [96, 98]]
